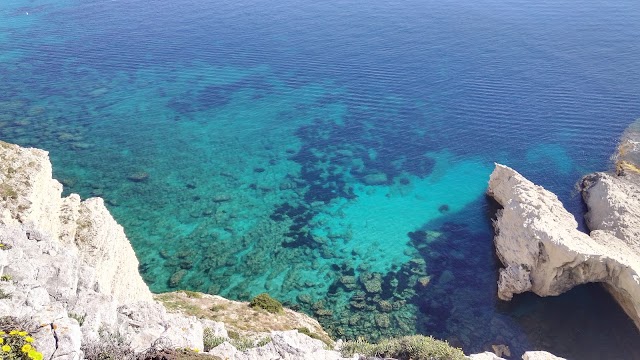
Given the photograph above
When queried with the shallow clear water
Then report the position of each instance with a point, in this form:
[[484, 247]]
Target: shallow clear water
[[334, 154]]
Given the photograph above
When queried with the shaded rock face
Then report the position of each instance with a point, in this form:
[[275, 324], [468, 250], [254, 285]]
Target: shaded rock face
[[538, 242]]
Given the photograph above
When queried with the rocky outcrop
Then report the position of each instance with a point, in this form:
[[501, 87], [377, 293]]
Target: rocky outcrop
[[68, 268], [33, 202], [538, 242]]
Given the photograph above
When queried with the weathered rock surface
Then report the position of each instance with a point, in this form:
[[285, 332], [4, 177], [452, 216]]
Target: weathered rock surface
[[614, 205], [538, 242], [288, 345]]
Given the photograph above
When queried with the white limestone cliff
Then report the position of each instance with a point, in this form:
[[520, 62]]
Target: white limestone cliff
[[87, 227], [538, 242]]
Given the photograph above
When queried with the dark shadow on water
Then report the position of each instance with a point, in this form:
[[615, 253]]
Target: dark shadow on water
[[461, 305], [584, 323]]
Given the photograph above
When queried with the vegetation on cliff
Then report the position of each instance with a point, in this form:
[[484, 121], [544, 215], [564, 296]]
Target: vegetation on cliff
[[416, 347]]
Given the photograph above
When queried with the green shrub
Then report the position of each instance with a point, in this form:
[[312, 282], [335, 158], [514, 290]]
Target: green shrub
[[110, 346], [210, 339], [266, 302], [264, 341], [242, 343], [5, 277], [233, 335], [416, 347]]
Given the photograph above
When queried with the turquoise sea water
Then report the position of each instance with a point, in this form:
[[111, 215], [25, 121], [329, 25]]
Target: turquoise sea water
[[333, 154]]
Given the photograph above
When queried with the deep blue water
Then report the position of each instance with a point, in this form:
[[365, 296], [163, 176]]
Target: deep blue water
[[334, 154]]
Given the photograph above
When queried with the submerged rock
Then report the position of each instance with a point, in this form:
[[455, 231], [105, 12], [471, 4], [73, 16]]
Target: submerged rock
[[424, 281], [304, 298], [221, 198], [372, 282], [538, 242], [138, 176], [349, 282], [376, 179], [382, 320]]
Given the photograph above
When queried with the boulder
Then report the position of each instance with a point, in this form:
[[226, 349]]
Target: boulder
[[376, 179]]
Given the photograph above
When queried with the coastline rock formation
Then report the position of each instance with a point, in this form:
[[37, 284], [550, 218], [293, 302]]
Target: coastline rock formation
[[542, 250], [70, 274]]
